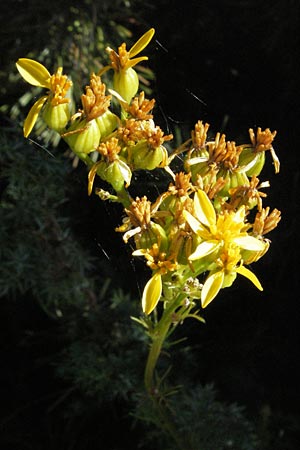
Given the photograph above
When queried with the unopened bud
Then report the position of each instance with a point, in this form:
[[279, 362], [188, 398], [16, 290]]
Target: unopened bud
[[107, 123], [253, 161], [146, 157], [126, 83], [83, 136], [56, 117]]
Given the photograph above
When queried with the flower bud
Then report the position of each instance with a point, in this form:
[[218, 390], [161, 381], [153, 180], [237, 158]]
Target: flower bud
[[56, 117], [146, 157], [126, 83], [253, 162], [83, 136], [116, 173], [107, 123], [154, 234], [251, 256]]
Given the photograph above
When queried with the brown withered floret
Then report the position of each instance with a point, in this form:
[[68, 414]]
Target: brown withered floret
[[110, 149], [59, 86], [265, 221], [199, 135], [94, 101], [140, 107], [262, 141], [243, 195]]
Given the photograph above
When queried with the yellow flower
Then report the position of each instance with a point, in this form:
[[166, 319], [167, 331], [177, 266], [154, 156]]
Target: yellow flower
[[125, 80], [57, 111], [225, 236]]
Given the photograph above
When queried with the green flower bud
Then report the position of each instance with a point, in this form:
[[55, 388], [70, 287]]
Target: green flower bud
[[83, 136], [233, 179], [126, 83], [253, 162], [251, 256], [107, 123], [155, 234], [116, 173], [146, 157], [56, 117]]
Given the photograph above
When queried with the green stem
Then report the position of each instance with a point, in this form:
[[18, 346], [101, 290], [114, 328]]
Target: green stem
[[159, 335], [124, 197], [158, 338], [154, 353]]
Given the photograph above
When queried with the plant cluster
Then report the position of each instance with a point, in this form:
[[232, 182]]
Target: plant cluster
[[204, 229]]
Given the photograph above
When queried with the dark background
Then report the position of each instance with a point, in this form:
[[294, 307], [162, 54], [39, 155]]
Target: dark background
[[234, 64]]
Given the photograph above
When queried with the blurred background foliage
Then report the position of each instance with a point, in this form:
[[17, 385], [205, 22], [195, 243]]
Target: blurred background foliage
[[72, 358]]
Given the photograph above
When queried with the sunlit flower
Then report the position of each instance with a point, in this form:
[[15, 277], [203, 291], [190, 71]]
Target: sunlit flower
[[224, 236], [125, 80], [56, 103]]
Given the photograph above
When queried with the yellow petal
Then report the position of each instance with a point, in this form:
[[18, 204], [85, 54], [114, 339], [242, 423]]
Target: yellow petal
[[141, 43], [151, 294], [193, 223], [91, 176], [33, 72], [242, 270], [204, 209], [204, 249], [133, 62], [211, 287], [33, 115], [249, 243], [239, 216]]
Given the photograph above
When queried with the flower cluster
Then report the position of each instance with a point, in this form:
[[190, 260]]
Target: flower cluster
[[208, 225]]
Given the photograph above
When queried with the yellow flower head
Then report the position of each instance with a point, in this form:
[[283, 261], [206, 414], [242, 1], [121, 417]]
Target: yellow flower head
[[58, 85], [224, 235]]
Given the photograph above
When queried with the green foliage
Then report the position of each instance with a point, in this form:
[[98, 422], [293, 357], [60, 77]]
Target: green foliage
[[75, 38], [202, 422], [38, 251], [106, 351]]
